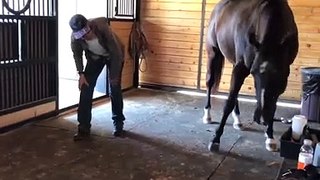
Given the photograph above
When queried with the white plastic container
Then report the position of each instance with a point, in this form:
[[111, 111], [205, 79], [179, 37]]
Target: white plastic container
[[298, 124]]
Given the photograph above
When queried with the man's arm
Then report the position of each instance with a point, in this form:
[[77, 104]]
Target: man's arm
[[77, 54]]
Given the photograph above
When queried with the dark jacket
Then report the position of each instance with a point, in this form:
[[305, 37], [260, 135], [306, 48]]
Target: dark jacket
[[108, 40]]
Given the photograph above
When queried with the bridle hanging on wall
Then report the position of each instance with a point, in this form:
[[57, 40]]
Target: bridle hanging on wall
[[138, 44]]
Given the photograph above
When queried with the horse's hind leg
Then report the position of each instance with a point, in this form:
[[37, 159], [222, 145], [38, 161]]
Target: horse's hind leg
[[206, 119], [239, 73], [236, 117], [215, 58]]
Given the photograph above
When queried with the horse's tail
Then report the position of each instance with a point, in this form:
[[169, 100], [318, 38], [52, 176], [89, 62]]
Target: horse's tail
[[215, 67], [215, 57], [218, 64]]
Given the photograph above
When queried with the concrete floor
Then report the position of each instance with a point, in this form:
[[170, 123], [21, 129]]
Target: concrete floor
[[166, 140]]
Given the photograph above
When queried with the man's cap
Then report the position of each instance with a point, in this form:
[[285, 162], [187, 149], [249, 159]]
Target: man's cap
[[78, 24]]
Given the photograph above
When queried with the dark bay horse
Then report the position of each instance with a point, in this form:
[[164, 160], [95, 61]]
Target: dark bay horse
[[258, 37]]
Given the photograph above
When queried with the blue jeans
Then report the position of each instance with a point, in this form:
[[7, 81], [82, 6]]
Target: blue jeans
[[92, 71]]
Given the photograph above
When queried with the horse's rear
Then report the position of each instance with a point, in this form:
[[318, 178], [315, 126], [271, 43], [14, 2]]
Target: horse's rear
[[258, 37]]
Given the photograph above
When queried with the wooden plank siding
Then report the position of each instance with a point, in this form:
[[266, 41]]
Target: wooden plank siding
[[173, 30], [28, 113], [122, 29]]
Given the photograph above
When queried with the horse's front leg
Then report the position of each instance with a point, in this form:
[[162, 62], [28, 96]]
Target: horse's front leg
[[268, 112], [259, 97], [236, 116], [239, 73], [271, 143], [214, 145]]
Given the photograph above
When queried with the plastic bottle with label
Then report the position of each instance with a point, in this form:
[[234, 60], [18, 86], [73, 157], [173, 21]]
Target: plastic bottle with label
[[306, 154]]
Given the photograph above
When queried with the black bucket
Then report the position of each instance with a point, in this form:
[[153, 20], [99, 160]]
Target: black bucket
[[311, 93]]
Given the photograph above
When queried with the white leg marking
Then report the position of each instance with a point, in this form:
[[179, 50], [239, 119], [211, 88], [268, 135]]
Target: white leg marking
[[262, 104], [271, 145], [237, 122], [206, 119]]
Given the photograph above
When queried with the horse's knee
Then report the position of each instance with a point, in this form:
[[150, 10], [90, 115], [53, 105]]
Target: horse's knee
[[209, 80]]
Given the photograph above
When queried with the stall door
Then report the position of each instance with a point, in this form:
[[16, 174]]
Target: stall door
[[28, 59]]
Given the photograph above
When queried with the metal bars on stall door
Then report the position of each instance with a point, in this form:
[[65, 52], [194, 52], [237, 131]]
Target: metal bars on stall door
[[28, 7], [121, 9], [28, 53]]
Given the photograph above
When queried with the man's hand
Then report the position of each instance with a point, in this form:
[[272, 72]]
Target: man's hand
[[82, 81]]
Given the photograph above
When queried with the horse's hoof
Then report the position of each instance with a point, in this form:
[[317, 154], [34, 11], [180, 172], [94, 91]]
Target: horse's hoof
[[213, 147], [207, 120], [238, 126], [257, 121], [271, 145]]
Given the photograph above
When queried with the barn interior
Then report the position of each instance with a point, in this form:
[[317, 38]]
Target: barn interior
[[164, 96]]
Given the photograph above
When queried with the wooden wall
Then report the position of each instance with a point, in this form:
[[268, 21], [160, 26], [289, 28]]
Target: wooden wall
[[307, 16], [122, 29], [173, 31], [172, 28]]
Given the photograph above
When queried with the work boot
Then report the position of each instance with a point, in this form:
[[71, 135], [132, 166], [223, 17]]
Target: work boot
[[118, 128], [81, 135]]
